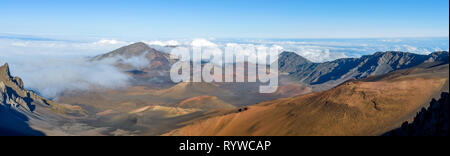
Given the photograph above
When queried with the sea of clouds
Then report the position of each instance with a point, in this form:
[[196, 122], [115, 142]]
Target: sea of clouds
[[51, 67]]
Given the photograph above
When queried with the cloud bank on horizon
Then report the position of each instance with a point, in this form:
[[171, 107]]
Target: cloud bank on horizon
[[52, 67]]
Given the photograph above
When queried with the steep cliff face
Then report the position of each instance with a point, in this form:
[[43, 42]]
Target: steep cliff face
[[20, 109], [14, 96]]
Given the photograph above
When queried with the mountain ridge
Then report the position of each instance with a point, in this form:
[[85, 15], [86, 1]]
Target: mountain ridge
[[344, 69]]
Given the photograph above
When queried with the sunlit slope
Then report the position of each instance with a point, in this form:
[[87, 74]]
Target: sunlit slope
[[205, 103], [366, 107]]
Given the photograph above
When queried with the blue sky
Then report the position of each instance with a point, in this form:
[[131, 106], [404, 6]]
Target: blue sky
[[156, 19]]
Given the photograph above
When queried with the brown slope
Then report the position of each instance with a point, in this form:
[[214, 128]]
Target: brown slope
[[205, 103], [185, 90], [370, 107]]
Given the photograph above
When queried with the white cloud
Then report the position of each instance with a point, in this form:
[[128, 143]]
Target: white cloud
[[20, 44], [51, 76], [217, 51], [202, 43], [163, 43], [59, 48], [391, 40], [52, 67], [140, 61], [109, 42], [317, 54], [253, 52], [410, 48]]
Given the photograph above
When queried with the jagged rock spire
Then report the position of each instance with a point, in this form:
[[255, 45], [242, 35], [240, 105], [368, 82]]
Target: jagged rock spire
[[4, 72], [5, 75]]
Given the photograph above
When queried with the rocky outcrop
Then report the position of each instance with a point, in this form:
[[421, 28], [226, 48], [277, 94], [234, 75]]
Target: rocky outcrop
[[19, 106], [433, 121], [341, 70], [13, 94], [5, 75]]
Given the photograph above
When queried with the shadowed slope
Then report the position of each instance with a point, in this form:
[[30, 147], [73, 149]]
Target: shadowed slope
[[14, 123]]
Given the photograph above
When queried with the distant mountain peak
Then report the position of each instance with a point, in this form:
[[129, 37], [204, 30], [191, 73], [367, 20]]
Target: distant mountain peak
[[128, 51], [157, 60], [288, 61], [288, 54], [284, 53], [139, 44], [340, 70]]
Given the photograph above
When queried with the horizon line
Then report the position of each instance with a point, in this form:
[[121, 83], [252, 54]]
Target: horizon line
[[52, 37]]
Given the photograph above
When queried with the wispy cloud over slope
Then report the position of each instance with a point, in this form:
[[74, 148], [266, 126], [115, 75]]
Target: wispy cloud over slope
[[51, 68], [51, 76]]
